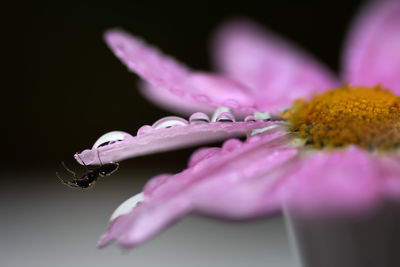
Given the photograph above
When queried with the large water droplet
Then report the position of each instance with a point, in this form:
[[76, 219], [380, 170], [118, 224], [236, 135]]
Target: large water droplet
[[128, 205], [262, 116], [199, 117], [262, 130], [169, 122], [219, 111], [231, 144], [225, 117], [110, 138], [145, 129], [250, 118]]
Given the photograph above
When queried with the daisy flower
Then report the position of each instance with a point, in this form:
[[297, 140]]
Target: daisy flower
[[314, 143]]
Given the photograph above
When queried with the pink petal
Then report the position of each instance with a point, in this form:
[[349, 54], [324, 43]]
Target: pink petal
[[390, 175], [372, 53], [158, 140], [176, 80], [168, 100], [236, 182], [201, 154], [277, 72], [348, 181]]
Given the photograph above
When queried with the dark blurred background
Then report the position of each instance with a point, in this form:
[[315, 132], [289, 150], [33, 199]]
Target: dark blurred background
[[62, 88]]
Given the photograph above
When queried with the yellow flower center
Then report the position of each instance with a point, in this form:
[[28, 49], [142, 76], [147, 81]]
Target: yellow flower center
[[367, 117]]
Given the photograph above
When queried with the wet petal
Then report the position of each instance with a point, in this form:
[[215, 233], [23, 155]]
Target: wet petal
[[372, 52], [238, 181], [127, 206], [177, 84], [275, 71], [348, 181], [153, 139]]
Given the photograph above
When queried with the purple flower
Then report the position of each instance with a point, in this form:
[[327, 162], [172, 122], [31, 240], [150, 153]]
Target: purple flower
[[334, 151]]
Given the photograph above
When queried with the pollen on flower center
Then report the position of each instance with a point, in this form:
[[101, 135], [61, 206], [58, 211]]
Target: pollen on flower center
[[367, 117]]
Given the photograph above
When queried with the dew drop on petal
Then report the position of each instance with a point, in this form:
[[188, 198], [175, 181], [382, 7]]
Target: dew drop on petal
[[225, 117], [262, 116], [219, 111], [231, 145], [199, 117], [144, 130], [169, 122], [109, 138], [262, 130], [127, 205], [250, 118]]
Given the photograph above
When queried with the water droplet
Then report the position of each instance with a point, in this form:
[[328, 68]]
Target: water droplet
[[219, 111], [169, 122], [225, 117], [110, 138], [199, 117], [231, 144], [262, 116], [144, 130], [250, 118], [128, 205], [262, 130]]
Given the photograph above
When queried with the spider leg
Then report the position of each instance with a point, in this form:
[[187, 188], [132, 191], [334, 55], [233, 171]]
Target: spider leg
[[70, 171], [62, 180], [98, 155]]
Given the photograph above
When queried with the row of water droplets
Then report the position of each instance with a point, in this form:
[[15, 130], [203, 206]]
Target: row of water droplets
[[222, 114]]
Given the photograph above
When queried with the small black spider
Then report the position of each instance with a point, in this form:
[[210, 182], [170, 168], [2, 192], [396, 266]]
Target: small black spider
[[91, 175]]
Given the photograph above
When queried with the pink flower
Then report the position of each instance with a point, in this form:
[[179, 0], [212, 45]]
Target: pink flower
[[274, 167]]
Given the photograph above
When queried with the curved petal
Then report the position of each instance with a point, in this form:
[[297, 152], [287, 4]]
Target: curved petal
[[236, 182], [389, 171], [276, 71], [349, 181], [168, 100], [157, 140], [164, 73], [372, 52]]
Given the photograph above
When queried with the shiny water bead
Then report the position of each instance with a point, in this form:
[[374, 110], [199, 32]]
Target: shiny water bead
[[262, 116], [262, 130], [250, 118], [225, 117], [109, 138], [367, 117], [169, 122], [219, 111], [231, 145], [127, 205], [144, 130], [199, 117]]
